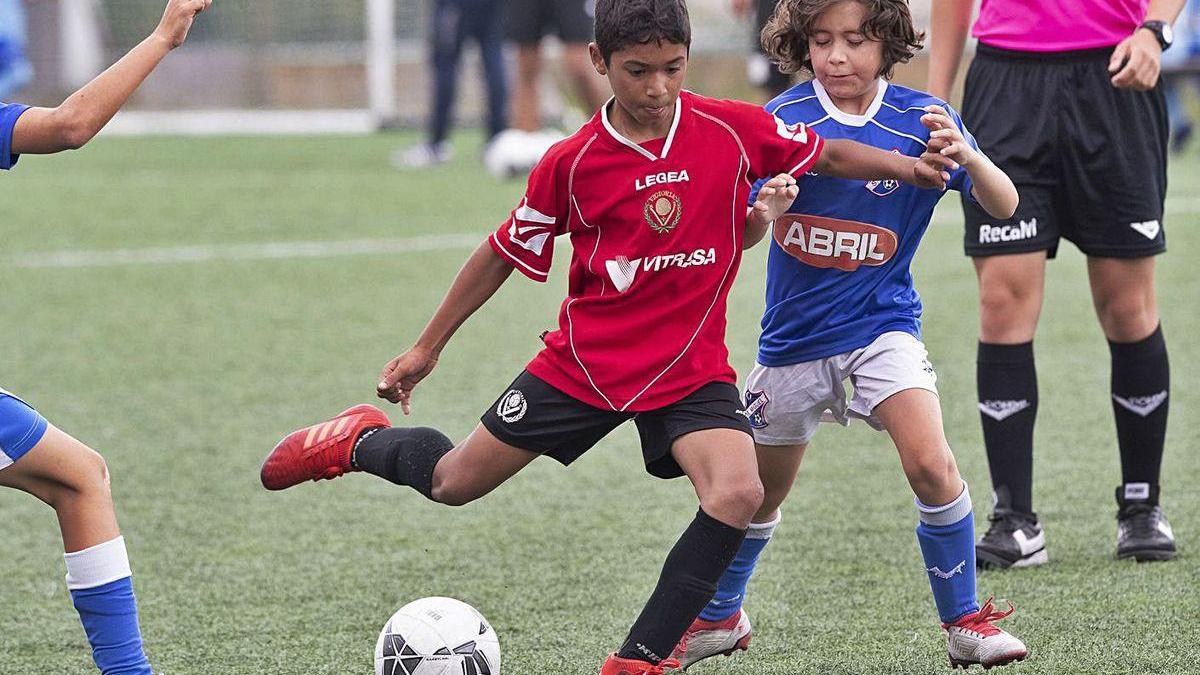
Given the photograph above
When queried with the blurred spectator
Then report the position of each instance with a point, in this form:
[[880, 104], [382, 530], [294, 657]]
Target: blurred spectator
[[1181, 73], [763, 74], [572, 21], [454, 22], [15, 71]]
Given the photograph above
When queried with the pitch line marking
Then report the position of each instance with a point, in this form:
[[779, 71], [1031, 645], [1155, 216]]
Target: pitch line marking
[[240, 252]]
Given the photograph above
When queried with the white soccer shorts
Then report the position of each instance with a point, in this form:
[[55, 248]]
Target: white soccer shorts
[[787, 403]]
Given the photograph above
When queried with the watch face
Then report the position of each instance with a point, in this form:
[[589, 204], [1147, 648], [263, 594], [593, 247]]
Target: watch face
[[1168, 34]]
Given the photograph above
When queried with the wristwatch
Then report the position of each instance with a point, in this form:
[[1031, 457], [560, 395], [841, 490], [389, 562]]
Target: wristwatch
[[1162, 32]]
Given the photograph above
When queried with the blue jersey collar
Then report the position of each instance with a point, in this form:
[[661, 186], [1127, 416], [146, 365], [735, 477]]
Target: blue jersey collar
[[844, 117]]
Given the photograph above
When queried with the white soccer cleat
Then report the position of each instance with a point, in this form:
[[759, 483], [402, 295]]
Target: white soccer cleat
[[706, 639], [975, 639]]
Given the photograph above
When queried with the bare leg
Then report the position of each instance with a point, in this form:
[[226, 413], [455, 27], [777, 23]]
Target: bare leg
[[777, 467], [475, 467], [590, 87], [73, 480], [526, 103], [914, 419]]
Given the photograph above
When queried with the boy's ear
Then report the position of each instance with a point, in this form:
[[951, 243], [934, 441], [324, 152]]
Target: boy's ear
[[597, 58]]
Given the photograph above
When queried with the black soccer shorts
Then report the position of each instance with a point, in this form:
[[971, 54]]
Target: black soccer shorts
[[1089, 160], [532, 415], [573, 21]]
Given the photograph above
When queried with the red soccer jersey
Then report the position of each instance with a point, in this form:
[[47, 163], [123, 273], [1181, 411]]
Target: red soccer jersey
[[656, 232]]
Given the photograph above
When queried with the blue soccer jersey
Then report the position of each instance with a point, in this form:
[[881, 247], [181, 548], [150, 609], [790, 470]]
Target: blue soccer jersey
[[9, 113], [838, 269]]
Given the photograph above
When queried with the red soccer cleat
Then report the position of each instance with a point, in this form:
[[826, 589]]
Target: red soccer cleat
[[319, 452], [706, 639], [616, 665]]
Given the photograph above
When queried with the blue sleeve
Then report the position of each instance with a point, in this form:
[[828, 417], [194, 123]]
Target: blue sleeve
[[959, 179], [9, 113], [754, 192]]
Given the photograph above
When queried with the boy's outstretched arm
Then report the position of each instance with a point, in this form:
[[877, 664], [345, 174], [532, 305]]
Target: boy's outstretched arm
[[476, 282], [842, 158], [79, 118], [990, 186]]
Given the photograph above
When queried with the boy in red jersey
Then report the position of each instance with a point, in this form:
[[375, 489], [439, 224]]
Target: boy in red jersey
[[651, 192]]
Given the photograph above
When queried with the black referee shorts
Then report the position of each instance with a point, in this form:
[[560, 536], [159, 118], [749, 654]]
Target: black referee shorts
[[1089, 160], [532, 415]]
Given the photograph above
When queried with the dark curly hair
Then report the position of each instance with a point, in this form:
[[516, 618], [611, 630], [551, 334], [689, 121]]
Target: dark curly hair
[[785, 37], [625, 23]]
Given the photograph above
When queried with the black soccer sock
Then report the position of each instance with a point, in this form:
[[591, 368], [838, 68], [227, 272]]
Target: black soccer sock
[[1141, 384], [688, 581], [1006, 378], [403, 456]]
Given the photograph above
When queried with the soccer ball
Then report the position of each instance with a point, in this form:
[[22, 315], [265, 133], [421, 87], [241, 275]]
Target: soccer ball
[[514, 153], [437, 636]]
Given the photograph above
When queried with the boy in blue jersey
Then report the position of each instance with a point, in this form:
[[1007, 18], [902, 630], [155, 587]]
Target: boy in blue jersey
[[35, 456], [841, 306]]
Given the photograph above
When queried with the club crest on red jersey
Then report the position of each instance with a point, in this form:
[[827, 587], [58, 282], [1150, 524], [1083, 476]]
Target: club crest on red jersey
[[833, 243], [663, 210]]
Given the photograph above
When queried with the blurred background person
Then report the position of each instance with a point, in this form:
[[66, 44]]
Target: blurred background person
[[454, 23], [1181, 75], [572, 21], [763, 74], [15, 70]]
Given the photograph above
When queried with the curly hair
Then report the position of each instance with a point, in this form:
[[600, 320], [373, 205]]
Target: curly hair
[[785, 37]]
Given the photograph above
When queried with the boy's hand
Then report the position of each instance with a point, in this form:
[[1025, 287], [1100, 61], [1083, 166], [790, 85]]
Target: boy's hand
[[401, 375], [946, 139], [177, 20], [929, 171], [776, 197]]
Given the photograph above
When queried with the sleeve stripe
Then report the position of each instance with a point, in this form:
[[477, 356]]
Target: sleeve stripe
[[535, 274], [811, 158], [529, 214]]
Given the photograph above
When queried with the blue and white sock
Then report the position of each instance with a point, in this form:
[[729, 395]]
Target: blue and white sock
[[947, 537], [101, 586], [731, 589]]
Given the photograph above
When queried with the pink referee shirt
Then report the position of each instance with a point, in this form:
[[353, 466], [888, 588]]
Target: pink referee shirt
[[1057, 25]]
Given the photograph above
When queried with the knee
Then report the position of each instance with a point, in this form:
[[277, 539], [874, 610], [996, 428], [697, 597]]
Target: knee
[[736, 502], [87, 477], [934, 474], [1127, 318], [1008, 311], [450, 491]]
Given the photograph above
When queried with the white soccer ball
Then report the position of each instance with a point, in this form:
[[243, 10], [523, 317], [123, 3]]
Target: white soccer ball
[[513, 153], [437, 636]]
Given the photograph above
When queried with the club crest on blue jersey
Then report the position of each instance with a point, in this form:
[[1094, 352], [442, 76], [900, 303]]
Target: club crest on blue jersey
[[756, 408]]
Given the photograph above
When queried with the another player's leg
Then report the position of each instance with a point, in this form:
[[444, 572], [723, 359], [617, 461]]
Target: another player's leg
[[74, 481], [362, 439], [946, 531], [721, 465], [1123, 292], [489, 32], [723, 627], [1010, 300]]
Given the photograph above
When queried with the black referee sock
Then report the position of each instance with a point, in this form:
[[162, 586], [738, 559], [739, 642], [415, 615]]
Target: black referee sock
[[1141, 384], [1006, 378], [403, 456], [688, 581]]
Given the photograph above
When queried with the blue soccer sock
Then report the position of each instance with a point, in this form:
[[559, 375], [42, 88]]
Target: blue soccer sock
[[947, 537], [731, 589], [102, 589]]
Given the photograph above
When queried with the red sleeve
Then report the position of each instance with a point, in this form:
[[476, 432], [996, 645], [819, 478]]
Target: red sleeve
[[774, 146], [526, 239]]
